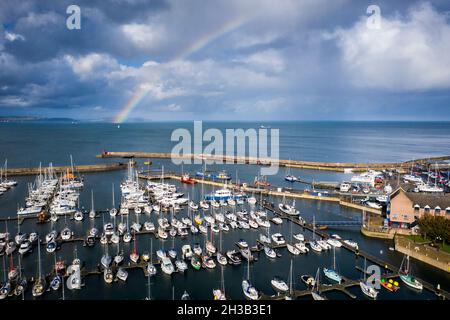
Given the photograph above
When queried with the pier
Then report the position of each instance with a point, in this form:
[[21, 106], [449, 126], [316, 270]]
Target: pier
[[62, 169], [313, 165]]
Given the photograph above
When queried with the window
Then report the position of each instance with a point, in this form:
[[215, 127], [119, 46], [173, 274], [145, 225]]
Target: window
[[426, 209], [447, 210], [437, 210]]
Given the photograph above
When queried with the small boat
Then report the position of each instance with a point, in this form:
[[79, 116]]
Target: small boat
[[242, 243], [197, 249], [51, 246], [108, 275], [204, 205], [308, 280], [278, 239], [331, 273], [208, 263], [389, 285], [293, 249], [351, 243], [302, 247], [56, 282], [289, 209], [251, 200], [149, 226], [193, 205], [185, 296], [334, 242], [122, 274], [194, 229], [277, 220], [234, 257], [78, 215], [264, 239], [323, 244], [151, 269], [249, 290], [221, 259], [196, 263], [407, 278], [181, 265], [25, 247], [162, 234], [145, 256], [118, 258], [270, 252], [167, 266], [5, 290], [279, 285], [106, 260], [66, 234], [299, 237], [290, 178], [127, 237]]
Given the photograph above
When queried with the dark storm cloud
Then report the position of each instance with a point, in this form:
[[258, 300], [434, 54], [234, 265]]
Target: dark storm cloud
[[311, 59]]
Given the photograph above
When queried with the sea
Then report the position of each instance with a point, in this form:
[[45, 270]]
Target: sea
[[40, 143]]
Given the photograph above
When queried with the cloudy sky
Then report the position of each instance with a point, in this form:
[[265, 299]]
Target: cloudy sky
[[223, 60]]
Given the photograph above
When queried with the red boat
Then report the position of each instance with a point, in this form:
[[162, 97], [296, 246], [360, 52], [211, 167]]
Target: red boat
[[186, 179]]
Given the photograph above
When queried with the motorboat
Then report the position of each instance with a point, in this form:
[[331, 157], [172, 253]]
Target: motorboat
[[351, 243], [277, 220], [151, 269], [167, 266], [308, 280], [278, 239], [51, 246], [234, 257], [149, 226], [293, 249], [25, 247], [242, 243], [315, 246], [301, 247], [186, 251], [66, 233], [108, 276], [196, 262], [56, 282], [181, 265], [299, 237], [289, 209], [270, 252], [208, 263], [334, 242], [122, 274], [279, 285], [323, 244], [78, 215]]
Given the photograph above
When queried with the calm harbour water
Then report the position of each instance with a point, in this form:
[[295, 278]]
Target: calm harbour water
[[28, 144]]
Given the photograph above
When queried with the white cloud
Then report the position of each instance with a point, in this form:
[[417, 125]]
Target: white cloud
[[267, 60], [144, 36], [92, 64], [11, 36], [410, 53]]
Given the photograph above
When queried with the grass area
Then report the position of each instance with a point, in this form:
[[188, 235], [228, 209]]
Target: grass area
[[420, 239]]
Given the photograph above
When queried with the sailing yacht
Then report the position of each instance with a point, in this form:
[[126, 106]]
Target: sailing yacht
[[249, 290], [279, 285], [288, 209], [219, 294], [331, 273], [113, 210], [39, 285], [407, 277], [92, 212], [316, 287], [367, 288]]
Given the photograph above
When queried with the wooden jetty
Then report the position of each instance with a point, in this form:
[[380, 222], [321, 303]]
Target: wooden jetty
[[313, 165], [102, 167]]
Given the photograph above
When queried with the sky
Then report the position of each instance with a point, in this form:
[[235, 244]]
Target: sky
[[152, 60]]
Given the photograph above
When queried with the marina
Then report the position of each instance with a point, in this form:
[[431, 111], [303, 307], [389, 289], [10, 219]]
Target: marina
[[134, 188]]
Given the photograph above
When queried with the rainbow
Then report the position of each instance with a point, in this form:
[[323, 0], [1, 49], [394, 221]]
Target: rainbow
[[131, 104], [197, 45]]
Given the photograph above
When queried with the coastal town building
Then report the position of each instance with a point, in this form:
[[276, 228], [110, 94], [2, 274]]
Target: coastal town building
[[407, 207]]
